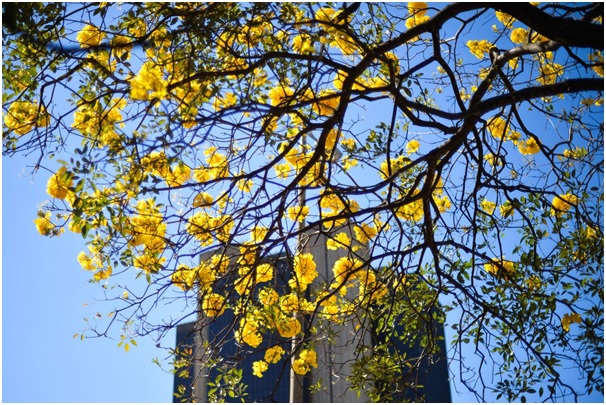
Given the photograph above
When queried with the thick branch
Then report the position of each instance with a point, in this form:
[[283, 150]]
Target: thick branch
[[566, 31]]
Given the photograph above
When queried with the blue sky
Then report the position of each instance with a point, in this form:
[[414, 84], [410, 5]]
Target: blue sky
[[43, 292]]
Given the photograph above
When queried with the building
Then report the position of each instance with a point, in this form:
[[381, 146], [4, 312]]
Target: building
[[334, 357]]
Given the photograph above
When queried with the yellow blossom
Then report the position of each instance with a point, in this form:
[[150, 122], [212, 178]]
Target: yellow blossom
[[304, 269], [87, 262], [568, 319], [505, 18], [307, 359], [184, 277], [341, 240], [327, 105], [274, 354], [213, 305], [282, 170], [529, 147], [506, 209], [499, 266], [279, 94], [203, 199], [90, 36], [44, 225], [58, 184], [268, 296], [249, 332], [23, 116], [149, 84], [365, 233], [519, 35], [298, 213], [597, 58], [493, 160], [533, 283], [265, 272], [549, 72], [412, 146], [302, 44], [289, 327], [259, 367], [563, 203], [479, 48], [488, 206]]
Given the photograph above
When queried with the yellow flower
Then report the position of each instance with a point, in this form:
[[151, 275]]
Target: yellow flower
[[58, 184], [568, 319], [328, 103], [488, 206], [265, 272], [149, 264], [228, 100], [245, 185], [563, 203], [213, 305], [298, 213], [341, 240], [307, 359], [529, 147], [279, 94], [505, 18], [184, 277], [597, 58], [498, 128], [43, 224], [506, 209], [365, 233], [500, 266], [417, 7], [122, 45], [149, 79], [479, 48], [90, 36], [346, 268], [203, 199], [103, 274], [533, 283], [388, 168], [289, 303], [442, 202], [274, 354], [259, 367], [304, 269], [258, 233], [412, 146], [493, 160], [23, 116], [268, 296], [178, 176], [302, 44], [88, 263], [549, 72], [249, 333], [282, 170], [288, 328], [519, 35]]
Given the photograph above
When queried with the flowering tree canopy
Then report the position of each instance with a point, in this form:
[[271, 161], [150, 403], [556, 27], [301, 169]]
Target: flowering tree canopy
[[449, 153]]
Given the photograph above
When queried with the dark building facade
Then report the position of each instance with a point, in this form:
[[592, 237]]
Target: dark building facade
[[276, 382]]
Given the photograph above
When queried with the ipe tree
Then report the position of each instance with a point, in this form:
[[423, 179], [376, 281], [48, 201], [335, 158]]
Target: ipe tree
[[452, 155]]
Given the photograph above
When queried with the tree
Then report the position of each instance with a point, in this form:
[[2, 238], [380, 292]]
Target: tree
[[462, 144]]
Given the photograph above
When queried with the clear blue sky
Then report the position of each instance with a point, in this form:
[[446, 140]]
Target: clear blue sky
[[43, 292]]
